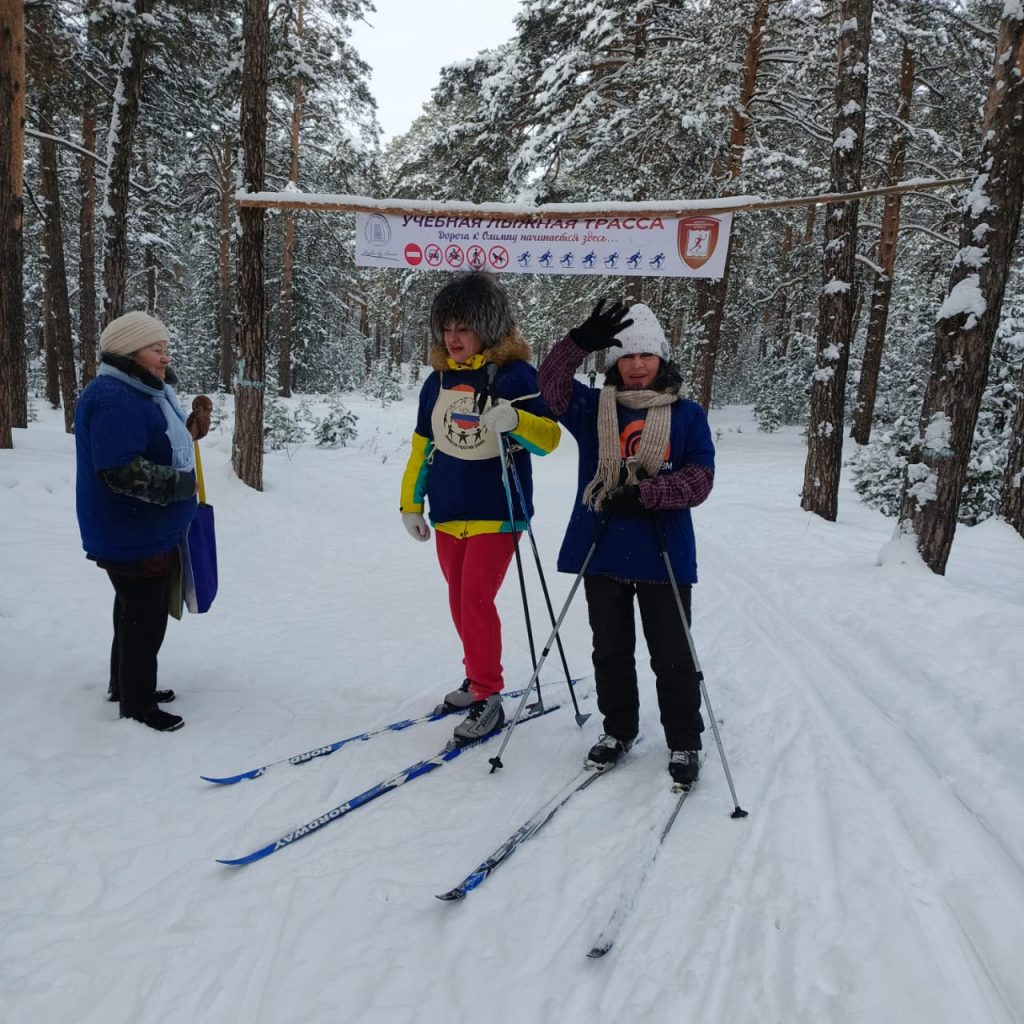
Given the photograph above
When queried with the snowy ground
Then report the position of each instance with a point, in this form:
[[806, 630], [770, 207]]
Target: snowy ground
[[872, 716]]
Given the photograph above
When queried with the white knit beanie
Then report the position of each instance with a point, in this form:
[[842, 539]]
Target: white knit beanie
[[129, 333], [644, 334]]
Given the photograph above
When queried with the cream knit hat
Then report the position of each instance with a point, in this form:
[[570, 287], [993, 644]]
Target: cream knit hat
[[129, 333], [644, 334]]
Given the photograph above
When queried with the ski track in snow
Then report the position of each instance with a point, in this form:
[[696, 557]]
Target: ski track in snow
[[871, 717]]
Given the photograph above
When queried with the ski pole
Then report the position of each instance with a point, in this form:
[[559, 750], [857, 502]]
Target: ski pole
[[488, 394], [496, 760], [738, 811], [519, 559], [580, 719]]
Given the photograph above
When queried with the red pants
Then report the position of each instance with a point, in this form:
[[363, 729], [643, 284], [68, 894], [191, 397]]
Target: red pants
[[474, 568]]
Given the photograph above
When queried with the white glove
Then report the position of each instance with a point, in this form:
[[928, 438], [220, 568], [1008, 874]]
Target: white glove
[[500, 418], [416, 525]]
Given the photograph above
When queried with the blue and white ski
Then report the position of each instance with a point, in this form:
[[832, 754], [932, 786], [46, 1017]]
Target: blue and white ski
[[330, 748], [407, 775], [527, 830]]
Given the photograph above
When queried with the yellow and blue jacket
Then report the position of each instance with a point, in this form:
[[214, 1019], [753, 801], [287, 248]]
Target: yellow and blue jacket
[[454, 466]]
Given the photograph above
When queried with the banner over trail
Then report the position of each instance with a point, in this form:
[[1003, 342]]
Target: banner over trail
[[652, 246], [666, 238]]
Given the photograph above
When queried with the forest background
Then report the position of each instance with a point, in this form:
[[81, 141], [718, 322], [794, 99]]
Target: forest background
[[900, 318]]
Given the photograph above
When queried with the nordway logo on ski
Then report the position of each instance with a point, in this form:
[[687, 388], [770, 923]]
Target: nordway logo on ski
[[330, 748], [310, 754], [310, 826], [414, 771]]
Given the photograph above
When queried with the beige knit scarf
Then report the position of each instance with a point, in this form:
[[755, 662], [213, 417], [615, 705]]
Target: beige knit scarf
[[650, 453]]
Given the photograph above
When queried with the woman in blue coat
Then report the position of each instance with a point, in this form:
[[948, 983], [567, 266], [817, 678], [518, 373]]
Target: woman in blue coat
[[645, 451], [135, 497]]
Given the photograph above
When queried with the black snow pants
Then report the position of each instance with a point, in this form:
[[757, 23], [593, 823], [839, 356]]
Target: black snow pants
[[610, 607]]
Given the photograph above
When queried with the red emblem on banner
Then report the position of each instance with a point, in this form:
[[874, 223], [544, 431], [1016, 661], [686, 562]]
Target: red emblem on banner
[[413, 254], [698, 237]]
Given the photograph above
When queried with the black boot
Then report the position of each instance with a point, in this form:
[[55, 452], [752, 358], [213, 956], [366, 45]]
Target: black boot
[[605, 753], [162, 696], [155, 718], [684, 767]]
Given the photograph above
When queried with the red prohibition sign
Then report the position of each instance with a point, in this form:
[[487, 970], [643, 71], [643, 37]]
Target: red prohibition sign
[[413, 254], [498, 256], [476, 257], [433, 255], [454, 255]]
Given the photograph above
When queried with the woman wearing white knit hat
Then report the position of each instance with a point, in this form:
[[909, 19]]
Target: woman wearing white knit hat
[[135, 497], [644, 451]]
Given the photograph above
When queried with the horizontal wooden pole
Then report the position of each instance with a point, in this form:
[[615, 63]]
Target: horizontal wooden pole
[[560, 211]]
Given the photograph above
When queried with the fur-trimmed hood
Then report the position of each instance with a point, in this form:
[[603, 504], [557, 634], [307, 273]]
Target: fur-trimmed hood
[[511, 349]]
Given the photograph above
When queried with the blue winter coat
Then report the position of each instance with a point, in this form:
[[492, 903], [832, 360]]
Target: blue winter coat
[[115, 424], [629, 548]]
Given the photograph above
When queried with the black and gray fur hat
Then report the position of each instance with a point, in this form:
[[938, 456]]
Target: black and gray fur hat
[[476, 300]]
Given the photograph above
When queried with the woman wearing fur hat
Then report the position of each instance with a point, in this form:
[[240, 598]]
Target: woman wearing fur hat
[[644, 451], [482, 386], [135, 497]]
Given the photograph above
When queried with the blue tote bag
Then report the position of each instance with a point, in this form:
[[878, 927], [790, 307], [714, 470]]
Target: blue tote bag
[[201, 549]]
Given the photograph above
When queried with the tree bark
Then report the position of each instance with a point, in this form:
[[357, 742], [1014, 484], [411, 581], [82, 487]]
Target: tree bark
[[51, 380], [123, 118], [87, 333], [284, 360], [58, 308], [1012, 508], [711, 295], [968, 319], [13, 368], [224, 163], [838, 299], [250, 384], [881, 291], [150, 260]]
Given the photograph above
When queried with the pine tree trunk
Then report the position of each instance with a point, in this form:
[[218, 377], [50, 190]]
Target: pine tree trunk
[[284, 361], [968, 319], [123, 118], [87, 333], [224, 164], [87, 248], [711, 295], [780, 330], [1012, 507], [13, 369], [838, 300], [250, 384], [58, 308], [51, 384], [150, 261], [881, 292]]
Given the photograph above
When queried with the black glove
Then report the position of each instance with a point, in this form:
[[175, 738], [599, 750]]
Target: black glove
[[625, 501], [599, 329]]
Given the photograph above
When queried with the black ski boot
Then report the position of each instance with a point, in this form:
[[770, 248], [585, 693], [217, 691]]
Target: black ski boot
[[684, 767], [606, 752]]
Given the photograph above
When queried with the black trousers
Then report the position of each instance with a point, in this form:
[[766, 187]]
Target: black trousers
[[140, 622], [610, 607]]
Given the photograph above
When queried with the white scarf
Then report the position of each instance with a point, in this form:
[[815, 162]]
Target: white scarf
[[182, 450]]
